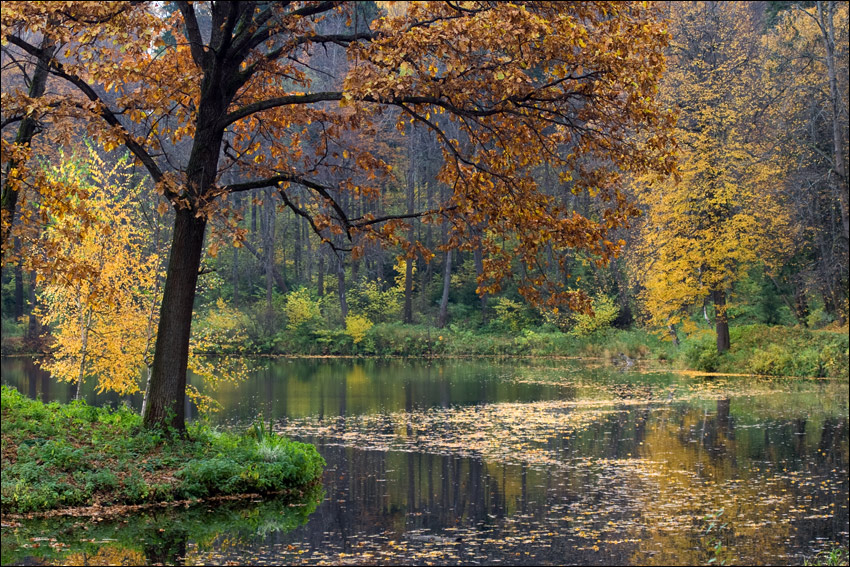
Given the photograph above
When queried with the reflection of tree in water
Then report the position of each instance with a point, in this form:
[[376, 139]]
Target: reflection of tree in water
[[165, 545], [165, 536], [772, 482]]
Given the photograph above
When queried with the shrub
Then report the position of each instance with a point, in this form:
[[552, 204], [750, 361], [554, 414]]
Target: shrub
[[356, 327], [701, 354], [376, 304], [300, 309], [604, 313], [511, 315], [221, 328]]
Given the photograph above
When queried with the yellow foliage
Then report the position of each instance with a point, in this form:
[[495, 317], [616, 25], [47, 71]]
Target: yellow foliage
[[703, 231], [510, 313], [400, 268], [356, 327], [377, 304], [300, 308], [604, 313], [99, 279]]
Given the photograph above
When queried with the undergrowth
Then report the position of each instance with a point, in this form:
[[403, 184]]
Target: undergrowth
[[64, 455]]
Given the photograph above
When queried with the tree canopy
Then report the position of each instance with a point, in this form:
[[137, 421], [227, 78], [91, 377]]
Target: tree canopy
[[219, 98]]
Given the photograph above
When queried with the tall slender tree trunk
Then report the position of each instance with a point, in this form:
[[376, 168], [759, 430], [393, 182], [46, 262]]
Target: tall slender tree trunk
[[296, 250], [721, 323], [234, 276], [340, 280], [268, 232], [26, 131], [85, 322], [320, 284], [308, 263], [840, 184], [444, 300], [33, 325], [234, 273], [168, 373], [408, 272], [478, 259], [18, 274]]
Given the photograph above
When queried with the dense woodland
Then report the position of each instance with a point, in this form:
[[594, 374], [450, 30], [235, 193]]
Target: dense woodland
[[289, 177]]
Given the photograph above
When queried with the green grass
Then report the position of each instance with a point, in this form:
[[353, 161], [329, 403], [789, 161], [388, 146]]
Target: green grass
[[770, 351], [65, 455], [835, 556]]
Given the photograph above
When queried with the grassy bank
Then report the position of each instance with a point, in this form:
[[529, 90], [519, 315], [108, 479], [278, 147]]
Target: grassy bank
[[756, 349], [770, 351], [69, 455]]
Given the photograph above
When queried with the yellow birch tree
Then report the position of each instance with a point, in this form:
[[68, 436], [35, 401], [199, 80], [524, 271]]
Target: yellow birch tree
[[100, 279]]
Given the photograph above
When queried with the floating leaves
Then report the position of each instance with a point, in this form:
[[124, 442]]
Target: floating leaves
[[508, 432]]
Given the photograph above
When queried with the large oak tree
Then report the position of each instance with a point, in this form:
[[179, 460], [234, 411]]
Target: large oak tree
[[195, 90]]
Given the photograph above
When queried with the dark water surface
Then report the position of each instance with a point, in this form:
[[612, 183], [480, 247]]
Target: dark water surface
[[485, 462]]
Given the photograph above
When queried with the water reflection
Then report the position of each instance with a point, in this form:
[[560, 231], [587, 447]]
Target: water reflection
[[480, 462], [168, 535]]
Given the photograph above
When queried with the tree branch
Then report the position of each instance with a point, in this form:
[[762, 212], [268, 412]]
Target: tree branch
[[108, 115]]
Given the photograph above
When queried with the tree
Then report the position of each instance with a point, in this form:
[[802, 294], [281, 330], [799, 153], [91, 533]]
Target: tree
[[810, 126], [228, 85], [701, 233], [100, 297]]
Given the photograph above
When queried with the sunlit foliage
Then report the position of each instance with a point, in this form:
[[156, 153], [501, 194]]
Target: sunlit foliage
[[99, 277]]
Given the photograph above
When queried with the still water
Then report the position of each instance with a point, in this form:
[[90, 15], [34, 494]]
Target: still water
[[511, 462]]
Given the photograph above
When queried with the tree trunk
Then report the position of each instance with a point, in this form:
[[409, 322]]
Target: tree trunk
[[840, 185], [234, 276], [26, 131], [165, 406], [18, 274], [84, 344], [33, 325], [720, 321], [408, 291], [444, 300], [268, 232], [308, 262], [234, 268], [340, 280], [278, 277], [408, 272], [320, 284], [674, 336], [478, 258]]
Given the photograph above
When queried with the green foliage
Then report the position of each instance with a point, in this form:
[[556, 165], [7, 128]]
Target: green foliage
[[76, 454], [604, 313], [818, 318], [11, 335], [222, 328], [774, 360], [700, 353], [375, 303], [835, 556], [511, 316], [301, 310], [714, 536], [771, 351]]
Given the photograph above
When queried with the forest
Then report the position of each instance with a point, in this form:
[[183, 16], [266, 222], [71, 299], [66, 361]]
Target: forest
[[327, 282], [366, 178]]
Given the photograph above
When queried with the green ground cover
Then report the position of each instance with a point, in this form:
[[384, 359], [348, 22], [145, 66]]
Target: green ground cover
[[69, 455]]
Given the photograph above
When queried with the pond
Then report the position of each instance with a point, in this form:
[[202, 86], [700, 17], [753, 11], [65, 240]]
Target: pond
[[501, 462]]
